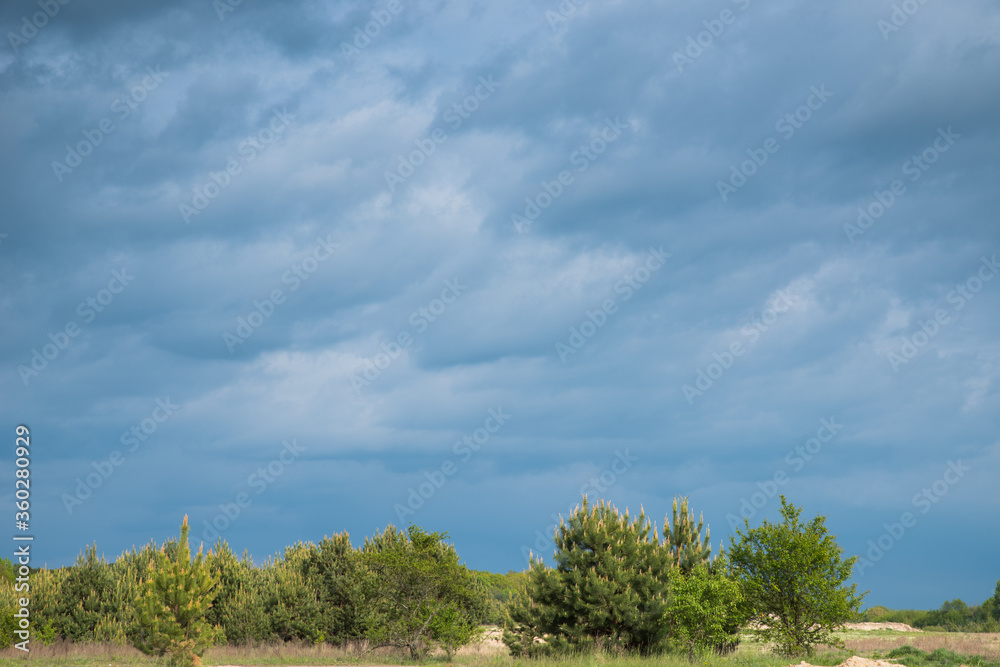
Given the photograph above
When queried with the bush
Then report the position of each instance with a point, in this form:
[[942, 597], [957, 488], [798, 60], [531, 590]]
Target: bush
[[914, 657], [416, 593], [704, 611]]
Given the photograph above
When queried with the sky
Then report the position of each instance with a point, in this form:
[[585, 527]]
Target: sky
[[299, 268]]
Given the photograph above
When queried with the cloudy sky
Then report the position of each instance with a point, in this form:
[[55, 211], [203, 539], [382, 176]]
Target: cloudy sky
[[306, 267]]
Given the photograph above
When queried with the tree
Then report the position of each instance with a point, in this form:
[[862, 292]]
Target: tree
[[704, 611], [84, 597], [683, 538], [995, 607], [417, 593], [793, 578], [607, 590], [8, 603], [176, 594]]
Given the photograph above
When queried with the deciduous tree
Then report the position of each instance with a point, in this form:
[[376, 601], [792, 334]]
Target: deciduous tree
[[793, 575]]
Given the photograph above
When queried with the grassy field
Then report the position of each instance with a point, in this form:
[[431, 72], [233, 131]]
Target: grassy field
[[972, 649]]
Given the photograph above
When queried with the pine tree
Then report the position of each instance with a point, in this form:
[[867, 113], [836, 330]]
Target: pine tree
[[608, 589], [176, 594], [683, 539]]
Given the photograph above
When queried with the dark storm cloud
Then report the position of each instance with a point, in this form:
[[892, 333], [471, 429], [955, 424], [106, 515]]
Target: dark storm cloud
[[292, 190]]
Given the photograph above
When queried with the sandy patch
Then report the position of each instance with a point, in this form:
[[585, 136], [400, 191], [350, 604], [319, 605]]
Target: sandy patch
[[899, 627]]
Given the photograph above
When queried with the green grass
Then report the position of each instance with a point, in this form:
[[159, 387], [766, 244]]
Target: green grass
[[942, 657]]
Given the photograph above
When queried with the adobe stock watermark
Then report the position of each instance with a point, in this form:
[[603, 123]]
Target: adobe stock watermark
[[122, 107], [88, 309], [706, 378], [223, 7], [796, 460], [596, 319], [899, 17], [564, 12], [786, 126], [420, 320], [134, 438], [295, 276], [465, 449], [608, 477], [581, 159], [455, 116], [915, 168], [930, 328], [365, 32], [30, 27], [248, 149], [923, 500], [696, 44], [257, 482]]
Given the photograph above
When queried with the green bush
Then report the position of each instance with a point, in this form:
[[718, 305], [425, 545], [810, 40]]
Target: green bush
[[416, 593], [705, 611], [914, 657]]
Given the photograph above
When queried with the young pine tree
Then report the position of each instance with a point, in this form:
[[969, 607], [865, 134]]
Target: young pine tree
[[683, 538], [608, 588], [175, 595]]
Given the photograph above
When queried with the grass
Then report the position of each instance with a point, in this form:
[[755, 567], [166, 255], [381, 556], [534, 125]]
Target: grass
[[977, 644], [928, 649]]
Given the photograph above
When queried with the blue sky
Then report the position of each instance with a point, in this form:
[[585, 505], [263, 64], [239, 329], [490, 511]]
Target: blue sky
[[305, 267]]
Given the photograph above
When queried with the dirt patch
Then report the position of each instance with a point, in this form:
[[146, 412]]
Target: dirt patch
[[899, 627], [855, 661]]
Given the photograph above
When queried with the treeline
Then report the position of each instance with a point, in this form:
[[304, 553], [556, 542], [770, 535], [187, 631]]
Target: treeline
[[616, 585], [953, 616], [327, 592]]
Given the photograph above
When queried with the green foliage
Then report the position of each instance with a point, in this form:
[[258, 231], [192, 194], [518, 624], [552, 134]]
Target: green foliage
[[683, 538], [416, 593], [952, 616], [501, 589], [84, 597], [291, 606], [608, 588], [914, 657], [239, 604], [956, 616], [175, 596], [793, 576], [8, 603], [333, 569], [704, 611]]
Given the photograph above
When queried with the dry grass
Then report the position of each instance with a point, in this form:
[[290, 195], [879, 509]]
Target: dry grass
[[66, 653], [69, 653], [985, 644], [301, 653], [490, 652]]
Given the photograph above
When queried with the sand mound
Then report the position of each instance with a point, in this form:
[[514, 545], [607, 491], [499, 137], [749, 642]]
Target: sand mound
[[899, 627]]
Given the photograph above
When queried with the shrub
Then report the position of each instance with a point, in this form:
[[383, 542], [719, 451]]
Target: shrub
[[703, 612], [416, 592]]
